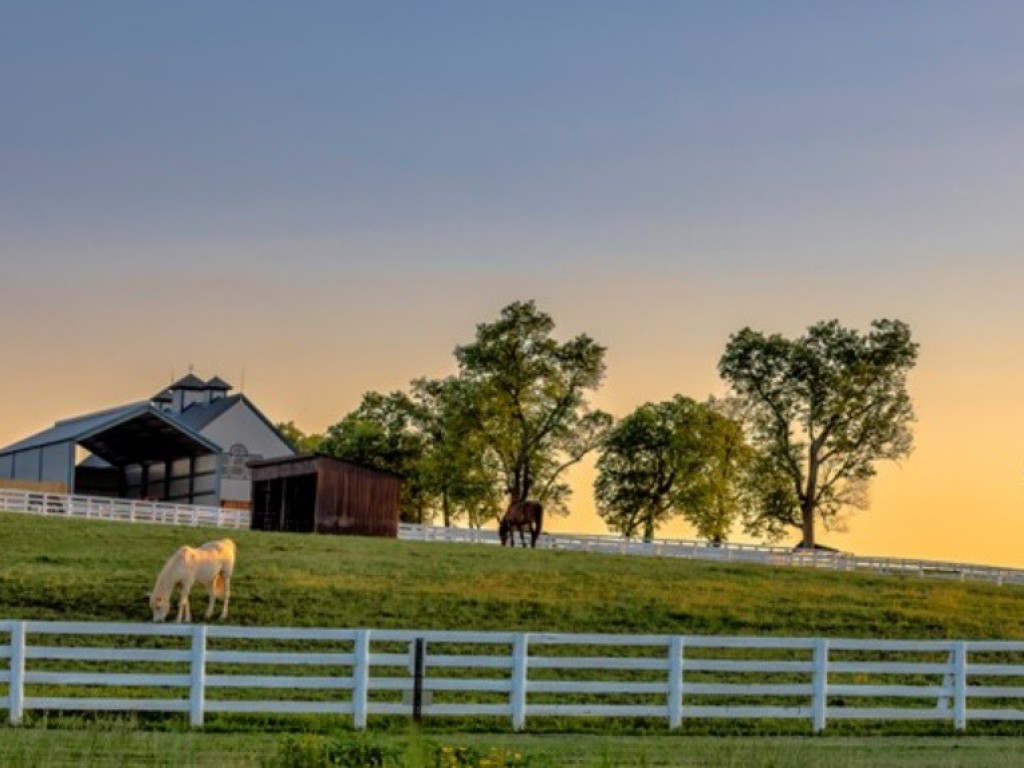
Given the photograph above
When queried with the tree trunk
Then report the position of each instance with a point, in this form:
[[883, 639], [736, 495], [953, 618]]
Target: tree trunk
[[649, 529], [807, 524]]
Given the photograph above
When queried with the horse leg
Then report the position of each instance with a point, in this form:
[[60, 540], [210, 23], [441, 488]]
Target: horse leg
[[522, 537], [184, 607], [213, 598], [227, 597], [534, 533]]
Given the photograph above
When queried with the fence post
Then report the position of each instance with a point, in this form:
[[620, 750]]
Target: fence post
[[520, 651], [960, 685], [16, 687], [819, 705], [361, 679], [197, 695], [675, 682], [418, 654]]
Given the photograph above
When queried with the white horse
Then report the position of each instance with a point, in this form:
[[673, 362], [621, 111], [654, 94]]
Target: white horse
[[210, 565]]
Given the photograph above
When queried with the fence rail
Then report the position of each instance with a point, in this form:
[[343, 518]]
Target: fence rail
[[358, 673], [730, 553], [122, 510]]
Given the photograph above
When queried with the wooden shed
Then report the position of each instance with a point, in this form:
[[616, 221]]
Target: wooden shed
[[312, 493]]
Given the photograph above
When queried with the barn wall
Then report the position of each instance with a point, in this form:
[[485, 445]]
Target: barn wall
[[244, 436], [355, 500], [57, 463]]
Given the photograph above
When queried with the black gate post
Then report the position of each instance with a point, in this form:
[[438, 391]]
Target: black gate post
[[417, 680]]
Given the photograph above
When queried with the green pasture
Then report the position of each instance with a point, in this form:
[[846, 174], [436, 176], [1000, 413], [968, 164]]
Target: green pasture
[[69, 569], [96, 748]]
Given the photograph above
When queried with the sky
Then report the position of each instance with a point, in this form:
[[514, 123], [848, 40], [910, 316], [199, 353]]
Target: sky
[[322, 199]]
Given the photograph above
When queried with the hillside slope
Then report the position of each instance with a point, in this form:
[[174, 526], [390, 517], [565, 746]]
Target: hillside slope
[[69, 569]]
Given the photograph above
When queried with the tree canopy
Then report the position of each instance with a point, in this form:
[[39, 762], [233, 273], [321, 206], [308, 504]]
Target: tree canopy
[[669, 459], [527, 400], [511, 421], [822, 409]]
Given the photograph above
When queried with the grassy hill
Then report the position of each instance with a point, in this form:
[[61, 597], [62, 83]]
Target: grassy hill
[[71, 569]]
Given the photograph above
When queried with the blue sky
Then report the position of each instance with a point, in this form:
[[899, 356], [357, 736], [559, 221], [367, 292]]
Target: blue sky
[[566, 132], [331, 195]]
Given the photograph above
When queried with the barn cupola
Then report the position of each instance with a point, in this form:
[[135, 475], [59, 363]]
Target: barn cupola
[[163, 400], [187, 391], [216, 389]]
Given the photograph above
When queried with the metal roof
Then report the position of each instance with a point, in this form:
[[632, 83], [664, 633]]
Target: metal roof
[[191, 381], [218, 383], [129, 434], [198, 415]]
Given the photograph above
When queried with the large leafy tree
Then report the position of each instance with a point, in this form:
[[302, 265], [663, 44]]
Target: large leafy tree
[[823, 409], [453, 470], [671, 459], [525, 398]]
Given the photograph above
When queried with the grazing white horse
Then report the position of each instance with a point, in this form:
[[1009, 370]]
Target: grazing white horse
[[210, 565]]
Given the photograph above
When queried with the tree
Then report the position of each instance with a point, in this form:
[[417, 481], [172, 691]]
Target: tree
[[302, 442], [382, 433], [453, 469], [526, 400], [675, 458], [822, 409]]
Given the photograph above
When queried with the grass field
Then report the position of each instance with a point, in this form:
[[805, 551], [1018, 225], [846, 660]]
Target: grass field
[[67, 569], [25, 748]]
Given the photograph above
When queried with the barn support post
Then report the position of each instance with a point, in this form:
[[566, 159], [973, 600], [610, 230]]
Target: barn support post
[[361, 679], [676, 646], [819, 705], [520, 652], [16, 686], [197, 688], [959, 663]]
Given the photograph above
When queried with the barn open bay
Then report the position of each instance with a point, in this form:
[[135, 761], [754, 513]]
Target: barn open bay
[[75, 570]]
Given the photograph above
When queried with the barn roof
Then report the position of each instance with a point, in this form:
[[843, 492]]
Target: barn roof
[[198, 415], [191, 381], [218, 383], [128, 434], [300, 458]]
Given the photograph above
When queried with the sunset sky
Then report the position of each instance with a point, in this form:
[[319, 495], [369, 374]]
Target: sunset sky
[[321, 199]]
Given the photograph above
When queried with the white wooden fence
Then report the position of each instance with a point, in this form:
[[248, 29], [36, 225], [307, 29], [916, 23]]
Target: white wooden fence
[[357, 673], [123, 510], [730, 553]]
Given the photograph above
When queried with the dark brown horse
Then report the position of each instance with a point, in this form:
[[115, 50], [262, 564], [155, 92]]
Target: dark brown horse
[[521, 515]]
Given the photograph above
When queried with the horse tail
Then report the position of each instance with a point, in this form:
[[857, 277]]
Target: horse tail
[[540, 518], [218, 585]]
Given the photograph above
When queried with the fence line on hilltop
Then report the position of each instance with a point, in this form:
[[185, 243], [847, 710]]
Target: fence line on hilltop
[[730, 553], [139, 511]]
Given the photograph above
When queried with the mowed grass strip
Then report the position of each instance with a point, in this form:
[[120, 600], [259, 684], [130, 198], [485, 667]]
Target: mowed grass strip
[[98, 571], [113, 749]]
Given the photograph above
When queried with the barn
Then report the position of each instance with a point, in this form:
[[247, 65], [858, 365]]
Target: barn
[[313, 493], [188, 443]]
